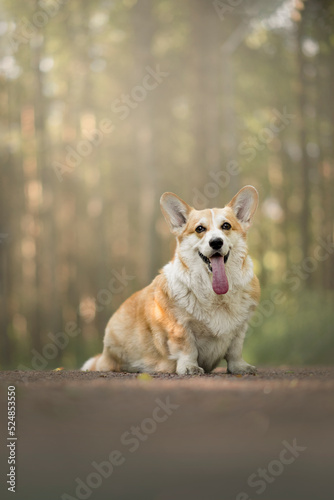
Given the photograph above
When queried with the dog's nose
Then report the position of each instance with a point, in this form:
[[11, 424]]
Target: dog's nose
[[216, 244]]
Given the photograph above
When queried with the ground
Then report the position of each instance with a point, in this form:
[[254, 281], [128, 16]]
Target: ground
[[120, 436]]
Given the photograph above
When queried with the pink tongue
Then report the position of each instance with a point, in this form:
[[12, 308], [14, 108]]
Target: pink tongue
[[219, 279]]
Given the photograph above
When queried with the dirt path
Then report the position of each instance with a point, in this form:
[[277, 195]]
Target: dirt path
[[166, 437]]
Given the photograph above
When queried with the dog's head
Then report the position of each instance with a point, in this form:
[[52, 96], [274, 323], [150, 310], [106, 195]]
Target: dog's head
[[212, 238]]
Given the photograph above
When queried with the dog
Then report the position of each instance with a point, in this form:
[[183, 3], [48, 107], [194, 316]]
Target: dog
[[195, 313]]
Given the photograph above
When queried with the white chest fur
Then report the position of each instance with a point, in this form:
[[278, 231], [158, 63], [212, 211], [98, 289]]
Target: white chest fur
[[213, 319]]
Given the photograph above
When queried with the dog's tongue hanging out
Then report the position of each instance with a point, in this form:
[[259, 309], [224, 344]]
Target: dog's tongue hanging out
[[219, 278]]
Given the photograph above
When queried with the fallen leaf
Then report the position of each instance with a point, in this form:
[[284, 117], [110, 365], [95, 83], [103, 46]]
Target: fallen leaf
[[144, 376]]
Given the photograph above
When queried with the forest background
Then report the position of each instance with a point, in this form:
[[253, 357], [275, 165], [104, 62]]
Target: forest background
[[107, 104]]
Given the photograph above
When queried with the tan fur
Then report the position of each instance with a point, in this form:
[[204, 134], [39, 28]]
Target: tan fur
[[255, 290], [170, 326]]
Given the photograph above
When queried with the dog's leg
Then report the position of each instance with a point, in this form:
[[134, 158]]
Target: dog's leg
[[182, 348], [235, 364], [187, 365]]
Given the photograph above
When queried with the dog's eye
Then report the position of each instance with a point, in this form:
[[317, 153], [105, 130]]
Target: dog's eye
[[200, 229], [226, 225]]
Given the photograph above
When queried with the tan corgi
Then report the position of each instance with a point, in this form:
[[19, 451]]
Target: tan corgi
[[196, 311]]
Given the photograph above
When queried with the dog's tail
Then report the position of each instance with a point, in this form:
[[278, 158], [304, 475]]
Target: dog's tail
[[90, 364]]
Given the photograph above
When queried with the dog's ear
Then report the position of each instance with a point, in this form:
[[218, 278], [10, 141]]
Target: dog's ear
[[175, 211], [244, 205]]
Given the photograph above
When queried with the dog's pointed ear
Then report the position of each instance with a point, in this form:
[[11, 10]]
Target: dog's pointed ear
[[175, 211], [244, 205]]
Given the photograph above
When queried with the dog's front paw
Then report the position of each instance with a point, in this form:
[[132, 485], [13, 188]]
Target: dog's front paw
[[190, 370], [240, 368]]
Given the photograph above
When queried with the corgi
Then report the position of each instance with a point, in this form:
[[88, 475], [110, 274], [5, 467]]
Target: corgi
[[195, 313]]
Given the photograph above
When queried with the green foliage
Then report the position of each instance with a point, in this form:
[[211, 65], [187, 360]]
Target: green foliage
[[299, 331]]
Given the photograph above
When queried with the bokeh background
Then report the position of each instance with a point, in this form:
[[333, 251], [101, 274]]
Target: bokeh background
[[106, 104]]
